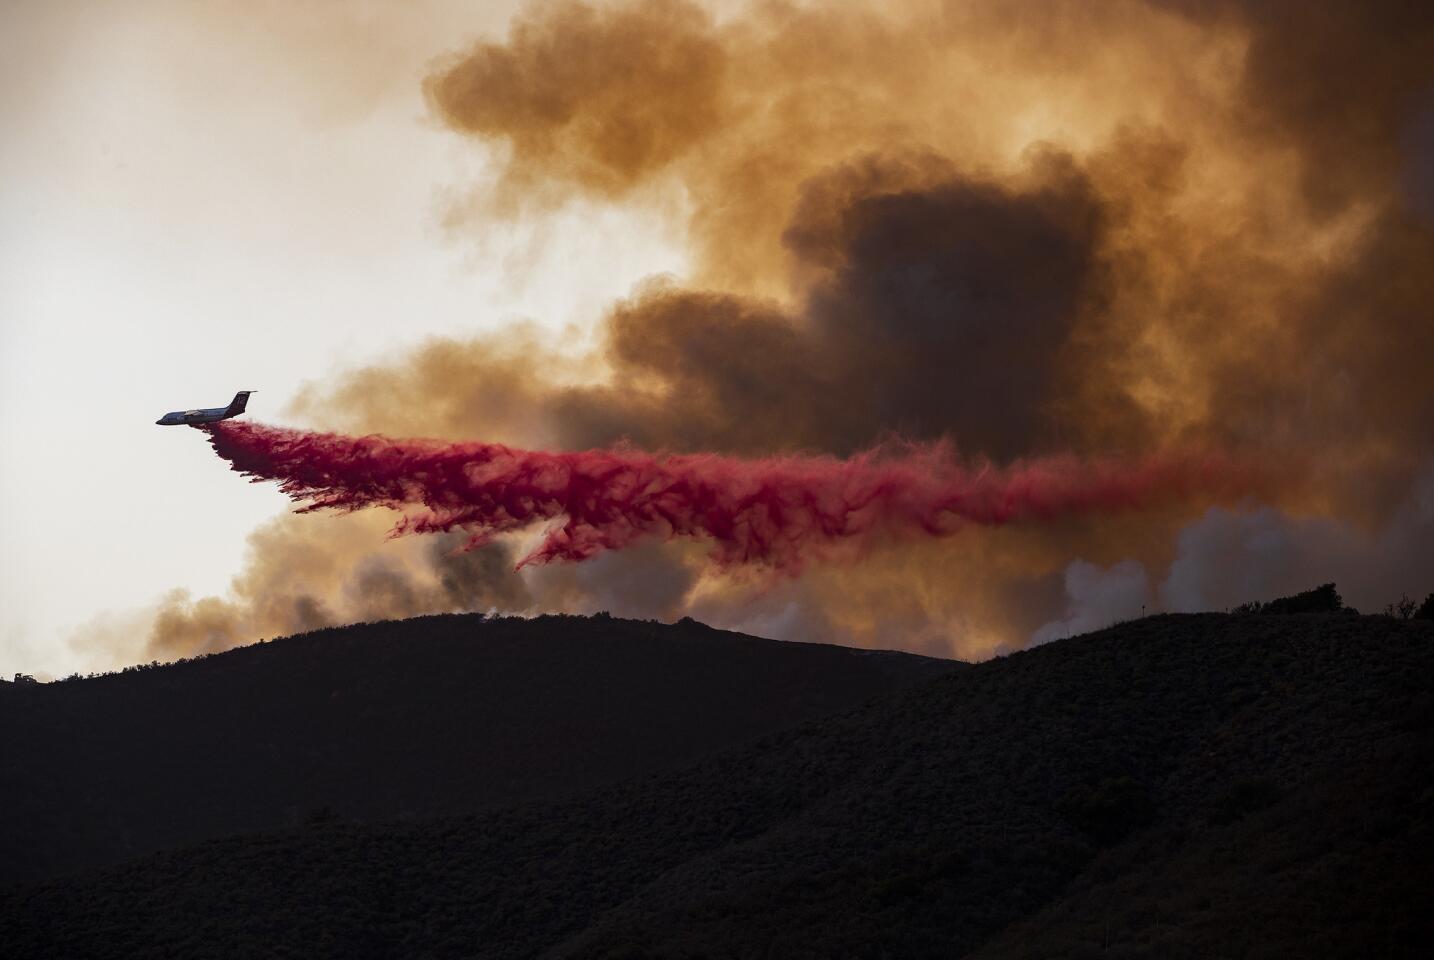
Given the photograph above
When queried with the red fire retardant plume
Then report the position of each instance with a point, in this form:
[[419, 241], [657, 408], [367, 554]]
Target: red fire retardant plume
[[776, 511]]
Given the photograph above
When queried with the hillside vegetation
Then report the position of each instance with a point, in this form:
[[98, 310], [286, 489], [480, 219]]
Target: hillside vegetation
[[391, 720], [1179, 786]]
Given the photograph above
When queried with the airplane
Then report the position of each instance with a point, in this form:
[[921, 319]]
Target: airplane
[[194, 418]]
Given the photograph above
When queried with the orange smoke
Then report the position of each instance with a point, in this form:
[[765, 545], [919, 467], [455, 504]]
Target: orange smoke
[[1115, 229]]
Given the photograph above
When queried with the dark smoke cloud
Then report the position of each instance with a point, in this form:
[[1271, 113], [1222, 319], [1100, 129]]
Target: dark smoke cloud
[[1335, 84], [1107, 228], [1418, 180], [941, 312]]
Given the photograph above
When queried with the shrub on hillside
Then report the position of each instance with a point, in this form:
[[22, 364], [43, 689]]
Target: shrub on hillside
[[1244, 796], [1322, 599], [1107, 811], [1403, 608], [1426, 609]]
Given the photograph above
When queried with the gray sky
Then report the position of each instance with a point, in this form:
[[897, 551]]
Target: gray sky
[[202, 198]]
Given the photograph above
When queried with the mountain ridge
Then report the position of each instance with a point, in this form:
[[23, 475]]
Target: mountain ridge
[[396, 719], [1175, 786]]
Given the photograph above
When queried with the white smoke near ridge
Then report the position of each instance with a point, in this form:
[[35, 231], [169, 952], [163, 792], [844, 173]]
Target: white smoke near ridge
[[1098, 598], [1229, 557]]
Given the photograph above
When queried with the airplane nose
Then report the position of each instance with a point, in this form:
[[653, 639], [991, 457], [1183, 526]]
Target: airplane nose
[[160, 421]]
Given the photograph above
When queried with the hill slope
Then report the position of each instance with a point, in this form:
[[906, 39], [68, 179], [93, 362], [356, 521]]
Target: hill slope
[[1179, 786], [392, 720]]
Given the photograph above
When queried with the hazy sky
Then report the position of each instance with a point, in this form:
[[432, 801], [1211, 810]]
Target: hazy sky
[[202, 198]]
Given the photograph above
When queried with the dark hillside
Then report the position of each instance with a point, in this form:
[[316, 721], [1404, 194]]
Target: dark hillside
[[1178, 786], [391, 720]]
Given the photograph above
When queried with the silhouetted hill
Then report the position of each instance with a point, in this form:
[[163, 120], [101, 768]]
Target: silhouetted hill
[[391, 720], [1180, 786]]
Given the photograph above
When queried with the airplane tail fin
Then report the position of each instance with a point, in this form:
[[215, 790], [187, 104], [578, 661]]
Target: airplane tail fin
[[236, 406]]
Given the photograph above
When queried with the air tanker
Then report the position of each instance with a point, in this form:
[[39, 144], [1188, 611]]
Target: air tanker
[[194, 418]]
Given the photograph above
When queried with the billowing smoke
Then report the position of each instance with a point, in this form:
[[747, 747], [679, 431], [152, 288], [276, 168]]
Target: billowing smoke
[[1227, 558], [774, 511], [1098, 598], [314, 576], [1110, 230]]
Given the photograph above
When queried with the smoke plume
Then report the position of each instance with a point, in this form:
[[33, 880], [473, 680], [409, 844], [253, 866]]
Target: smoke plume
[[1072, 237]]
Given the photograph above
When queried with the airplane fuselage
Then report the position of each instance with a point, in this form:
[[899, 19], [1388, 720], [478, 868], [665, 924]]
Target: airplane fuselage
[[194, 418], [212, 415]]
